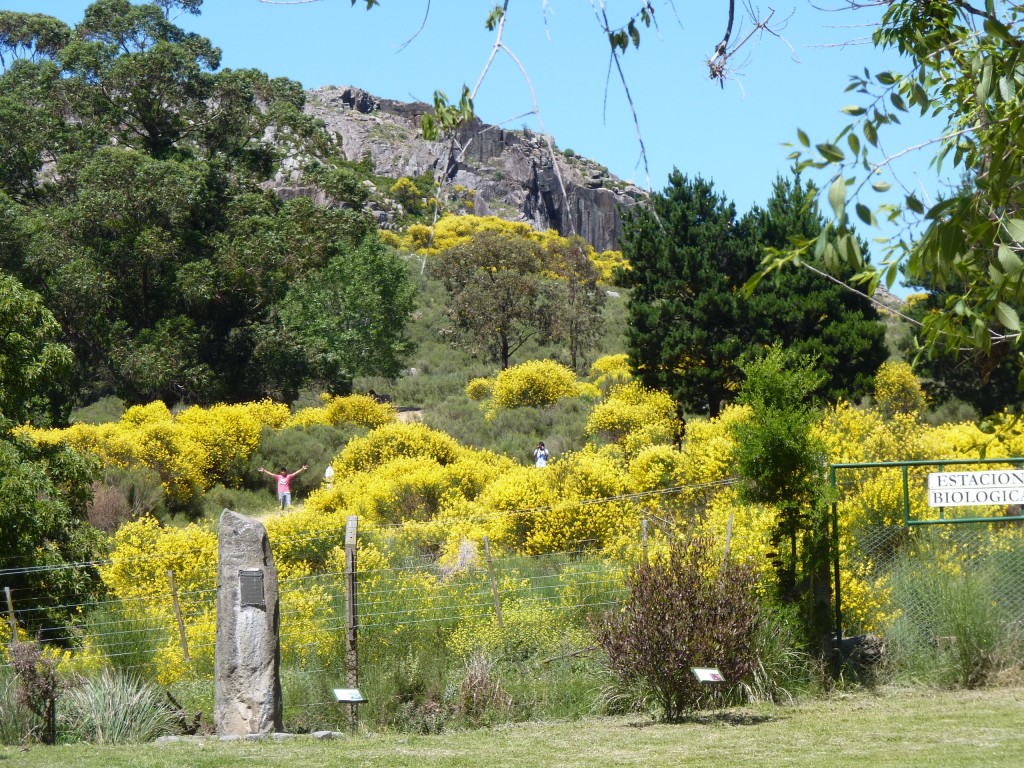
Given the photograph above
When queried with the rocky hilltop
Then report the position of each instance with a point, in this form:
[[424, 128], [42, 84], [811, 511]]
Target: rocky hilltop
[[511, 173]]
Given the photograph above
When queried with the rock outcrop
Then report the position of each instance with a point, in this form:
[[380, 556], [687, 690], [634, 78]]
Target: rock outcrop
[[512, 174]]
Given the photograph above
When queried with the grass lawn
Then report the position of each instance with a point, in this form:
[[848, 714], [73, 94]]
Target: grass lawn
[[906, 728]]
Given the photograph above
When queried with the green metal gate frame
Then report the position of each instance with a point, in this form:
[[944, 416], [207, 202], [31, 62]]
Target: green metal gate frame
[[837, 619]]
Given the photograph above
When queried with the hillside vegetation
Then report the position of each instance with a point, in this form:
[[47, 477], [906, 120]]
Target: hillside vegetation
[[173, 328]]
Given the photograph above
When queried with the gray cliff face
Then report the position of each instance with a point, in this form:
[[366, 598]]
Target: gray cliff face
[[511, 173]]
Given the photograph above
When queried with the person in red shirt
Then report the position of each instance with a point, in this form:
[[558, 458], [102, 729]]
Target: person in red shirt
[[284, 484]]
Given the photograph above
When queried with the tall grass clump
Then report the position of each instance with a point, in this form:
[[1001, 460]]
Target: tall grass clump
[[114, 708], [16, 721], [949, 628]]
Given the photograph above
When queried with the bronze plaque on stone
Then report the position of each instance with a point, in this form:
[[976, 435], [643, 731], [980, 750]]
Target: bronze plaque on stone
[[251, 583]]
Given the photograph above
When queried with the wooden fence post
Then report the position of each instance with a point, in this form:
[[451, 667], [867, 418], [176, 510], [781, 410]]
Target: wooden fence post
[[494, 583], [177, 612], [10, 616]]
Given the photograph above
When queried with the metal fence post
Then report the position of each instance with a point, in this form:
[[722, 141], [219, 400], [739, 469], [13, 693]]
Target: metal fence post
[[351, 617]]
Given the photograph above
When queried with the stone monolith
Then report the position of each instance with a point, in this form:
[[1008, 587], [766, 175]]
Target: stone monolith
[[247, 662]]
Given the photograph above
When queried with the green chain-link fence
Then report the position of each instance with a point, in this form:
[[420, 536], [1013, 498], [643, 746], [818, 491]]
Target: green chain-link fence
[[918, 573]]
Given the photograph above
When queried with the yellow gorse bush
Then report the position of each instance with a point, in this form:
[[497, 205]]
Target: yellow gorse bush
[[480, 389], [358, 410], [636, 416], [535, 383], [897, 390], [143, 553], [611, 371], [198, 447]]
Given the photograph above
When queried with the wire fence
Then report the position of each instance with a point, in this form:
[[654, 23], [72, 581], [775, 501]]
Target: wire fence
[[927, 577], [413, 608]]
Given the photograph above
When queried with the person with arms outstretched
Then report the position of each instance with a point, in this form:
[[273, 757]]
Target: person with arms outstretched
[[284, 484]]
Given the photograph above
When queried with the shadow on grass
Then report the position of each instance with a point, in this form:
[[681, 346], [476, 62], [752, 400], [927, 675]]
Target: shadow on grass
[[712, 718]]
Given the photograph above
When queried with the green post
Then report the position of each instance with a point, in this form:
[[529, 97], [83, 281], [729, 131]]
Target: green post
[[906, 495], [837, 624]]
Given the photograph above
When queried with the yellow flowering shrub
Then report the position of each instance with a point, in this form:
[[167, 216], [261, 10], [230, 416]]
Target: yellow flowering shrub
[[393, 441], [654, 467], [226, 436], [611, 371], [359, 410], [538, 511], [190, 452], [480, 389], [752, 528], [897, 390], [143, 553], [535, 383], [633, 407], [309, 636], [303, 538], [607, 262]]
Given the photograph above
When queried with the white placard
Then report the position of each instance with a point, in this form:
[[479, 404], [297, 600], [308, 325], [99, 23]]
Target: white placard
[[708, 674], [970, 489], [349, 696]]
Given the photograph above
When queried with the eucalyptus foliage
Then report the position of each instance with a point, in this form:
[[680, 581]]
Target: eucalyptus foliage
[[964, 68]]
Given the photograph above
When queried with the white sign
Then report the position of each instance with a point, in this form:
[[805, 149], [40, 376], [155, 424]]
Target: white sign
[[971, 489], [708, 674], [349, 696]]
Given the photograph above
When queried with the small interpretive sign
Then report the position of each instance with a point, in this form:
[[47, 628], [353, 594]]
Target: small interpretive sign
[[349, 696], [708, 674]]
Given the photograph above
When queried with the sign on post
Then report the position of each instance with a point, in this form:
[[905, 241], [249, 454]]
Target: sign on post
[[708, 674], [970, 489]]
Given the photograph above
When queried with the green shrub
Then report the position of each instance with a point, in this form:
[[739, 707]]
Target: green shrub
[[106, 410], [685, 611], [219, 498]]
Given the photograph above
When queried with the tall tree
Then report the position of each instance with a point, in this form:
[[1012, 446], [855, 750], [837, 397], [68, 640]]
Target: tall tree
[[33, 364], [804, 310], [688, 320], [578, 320], [43, 489], [163, 260], [350, 316], [498, 295], [684, 255]]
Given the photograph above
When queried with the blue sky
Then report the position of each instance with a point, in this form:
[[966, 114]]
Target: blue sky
[[731, 135]]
